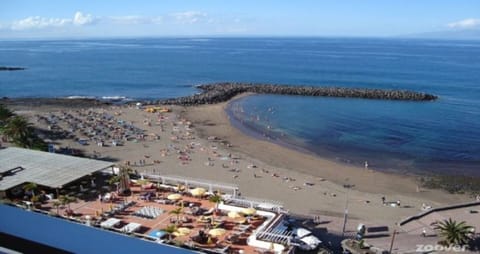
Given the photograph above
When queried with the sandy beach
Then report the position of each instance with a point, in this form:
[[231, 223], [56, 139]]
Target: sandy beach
[[200, 142]]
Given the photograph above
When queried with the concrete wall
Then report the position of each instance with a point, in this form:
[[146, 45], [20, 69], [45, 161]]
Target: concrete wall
[[73, 237]]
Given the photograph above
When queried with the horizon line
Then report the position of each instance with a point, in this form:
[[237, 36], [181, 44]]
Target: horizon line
[[100, 37]]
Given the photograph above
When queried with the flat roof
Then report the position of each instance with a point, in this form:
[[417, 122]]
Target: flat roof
[[43, 168]]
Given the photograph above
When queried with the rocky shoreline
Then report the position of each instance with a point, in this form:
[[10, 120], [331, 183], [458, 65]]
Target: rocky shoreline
[[221, 92], [37, 102]]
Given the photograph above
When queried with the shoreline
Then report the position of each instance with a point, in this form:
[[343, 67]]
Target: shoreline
[[246, 144], [279, 173], [388, 162], [405, 183]]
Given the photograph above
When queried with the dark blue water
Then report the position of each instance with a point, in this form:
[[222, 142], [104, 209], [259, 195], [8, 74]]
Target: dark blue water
[[440, 136]]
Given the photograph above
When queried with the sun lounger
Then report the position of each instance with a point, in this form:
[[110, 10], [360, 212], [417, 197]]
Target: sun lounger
[[149, 212], [162, 201], [221, 249], [110, 223], [131, 227]]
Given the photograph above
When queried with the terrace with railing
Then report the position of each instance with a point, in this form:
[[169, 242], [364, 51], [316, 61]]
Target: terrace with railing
[[169, 209]]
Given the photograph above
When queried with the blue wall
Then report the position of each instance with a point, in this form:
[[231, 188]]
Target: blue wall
[[73, 237]]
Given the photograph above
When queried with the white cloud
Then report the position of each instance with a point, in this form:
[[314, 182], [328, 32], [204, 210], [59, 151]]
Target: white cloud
[[465, 24], [189, 17], [37, 22], [81, 19], [135, 20]]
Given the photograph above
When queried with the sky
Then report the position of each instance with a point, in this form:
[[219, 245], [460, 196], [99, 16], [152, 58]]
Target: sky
[[156, 18]]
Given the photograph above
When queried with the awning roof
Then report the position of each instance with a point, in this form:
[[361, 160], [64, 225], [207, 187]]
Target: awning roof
[[47, 169]]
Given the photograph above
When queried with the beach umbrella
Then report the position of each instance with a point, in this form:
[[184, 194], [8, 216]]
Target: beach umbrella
[[234, 215], [216, 232], [240, 220], [184, 231], [249, 211], [198, 192], [175, 196]]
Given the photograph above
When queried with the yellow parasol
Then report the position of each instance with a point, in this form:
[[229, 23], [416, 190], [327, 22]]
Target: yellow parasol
[[183, 231], [241, 220], [234, 215], [216, 232], [198, 192], [249, 211], [175, 196]]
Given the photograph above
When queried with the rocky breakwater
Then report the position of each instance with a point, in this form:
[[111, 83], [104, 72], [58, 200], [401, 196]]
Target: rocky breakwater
[[221, 92]]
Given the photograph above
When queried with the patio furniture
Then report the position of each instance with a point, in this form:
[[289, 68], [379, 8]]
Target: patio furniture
[[131, 227], [149, 212], [110, 223]]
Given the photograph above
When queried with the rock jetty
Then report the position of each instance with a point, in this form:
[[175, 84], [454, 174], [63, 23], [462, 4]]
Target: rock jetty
[[6, 68], [221, 92]]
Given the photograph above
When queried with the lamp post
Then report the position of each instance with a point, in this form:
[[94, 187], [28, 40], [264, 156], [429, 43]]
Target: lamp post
[[345, 212]]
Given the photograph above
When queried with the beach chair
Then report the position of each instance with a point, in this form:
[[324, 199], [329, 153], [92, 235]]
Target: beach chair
[[131, 227], [221, 249], [110, 223]]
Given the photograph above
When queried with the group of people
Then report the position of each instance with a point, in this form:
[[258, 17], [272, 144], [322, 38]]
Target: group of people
[[397, 203]]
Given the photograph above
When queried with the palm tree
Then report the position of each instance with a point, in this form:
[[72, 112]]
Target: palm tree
[[30, 187], [216, 199], [19, 130], [57, 205], [453, 232], [177, 212], [66, 200], [5, 114], [124, 179], [115, 180], [170, 229]]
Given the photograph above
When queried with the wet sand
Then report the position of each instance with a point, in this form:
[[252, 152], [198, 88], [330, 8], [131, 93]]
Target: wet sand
[[304, 183]]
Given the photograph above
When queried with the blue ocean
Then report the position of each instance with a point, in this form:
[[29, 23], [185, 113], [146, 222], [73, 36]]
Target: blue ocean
[[442, 136]]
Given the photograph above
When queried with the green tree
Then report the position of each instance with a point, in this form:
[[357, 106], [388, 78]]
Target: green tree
[[216, 199], [67, 200], [57, 205], [37, 143], [5, 114], [115, 180], [30, 187], [453, 232], [19, 130], [170, 229], [177, 212]]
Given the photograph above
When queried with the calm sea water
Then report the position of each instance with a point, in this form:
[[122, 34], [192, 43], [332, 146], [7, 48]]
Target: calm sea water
[[439, 136]]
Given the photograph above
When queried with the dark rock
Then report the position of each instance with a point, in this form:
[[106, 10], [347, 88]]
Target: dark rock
[[221, 92], [6, 68]]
